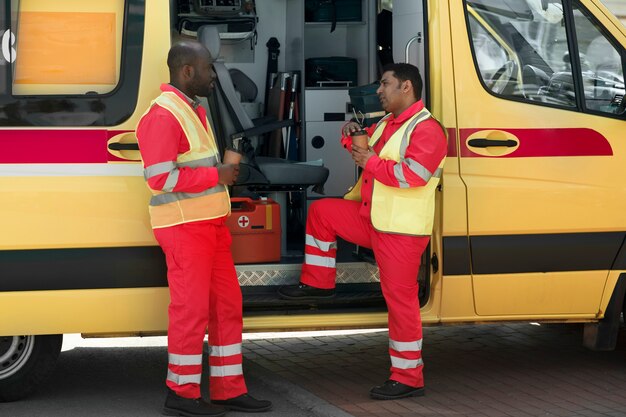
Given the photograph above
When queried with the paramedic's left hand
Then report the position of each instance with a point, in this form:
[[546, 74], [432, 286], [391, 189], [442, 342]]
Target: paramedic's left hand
[[361, 156]]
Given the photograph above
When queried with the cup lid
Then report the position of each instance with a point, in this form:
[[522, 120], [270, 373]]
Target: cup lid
[[359, 133]]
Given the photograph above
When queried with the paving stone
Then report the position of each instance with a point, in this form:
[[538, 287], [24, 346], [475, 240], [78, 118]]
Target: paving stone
[[512, 370]]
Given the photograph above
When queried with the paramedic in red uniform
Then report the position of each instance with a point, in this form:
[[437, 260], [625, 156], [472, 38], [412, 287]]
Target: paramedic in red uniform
[[188, 211], [391, 210]]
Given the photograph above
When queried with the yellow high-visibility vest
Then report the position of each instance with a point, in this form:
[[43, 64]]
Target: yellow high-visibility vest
[[169, 208], [407, 211]]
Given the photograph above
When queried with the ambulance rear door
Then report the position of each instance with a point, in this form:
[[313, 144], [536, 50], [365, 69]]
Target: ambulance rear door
[[540, 108]]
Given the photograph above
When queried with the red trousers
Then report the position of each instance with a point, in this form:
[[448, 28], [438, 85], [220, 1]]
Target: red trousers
[[204, 292], [398, 258]]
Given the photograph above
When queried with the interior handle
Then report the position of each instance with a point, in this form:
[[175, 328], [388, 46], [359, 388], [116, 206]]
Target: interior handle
[[407, 49]]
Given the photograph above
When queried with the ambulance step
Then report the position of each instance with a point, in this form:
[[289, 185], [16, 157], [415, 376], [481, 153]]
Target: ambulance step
[[289, 274], [347, 295]]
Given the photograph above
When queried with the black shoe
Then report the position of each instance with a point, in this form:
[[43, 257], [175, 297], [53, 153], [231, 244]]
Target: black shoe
[[245, 403], [304, 292], [393, 390], [189, 407]]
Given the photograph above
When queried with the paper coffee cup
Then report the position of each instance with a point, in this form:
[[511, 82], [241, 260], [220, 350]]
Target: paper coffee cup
[[360, 139], [231, 157]]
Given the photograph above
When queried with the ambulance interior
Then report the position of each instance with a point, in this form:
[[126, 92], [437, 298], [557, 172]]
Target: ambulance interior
[[285, 117]]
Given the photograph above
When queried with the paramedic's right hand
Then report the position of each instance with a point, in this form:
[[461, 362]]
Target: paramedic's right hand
[[351, 127], [227, 174]]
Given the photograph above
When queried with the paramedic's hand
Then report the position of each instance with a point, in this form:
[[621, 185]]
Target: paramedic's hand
[[361, 156], [350, 127], [227, 173]]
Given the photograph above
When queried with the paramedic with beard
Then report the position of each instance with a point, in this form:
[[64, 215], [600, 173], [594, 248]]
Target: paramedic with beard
[[391, 210]]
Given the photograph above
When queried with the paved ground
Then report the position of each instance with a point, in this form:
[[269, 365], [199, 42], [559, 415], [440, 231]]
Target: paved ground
[[507, 370], [125, 377]]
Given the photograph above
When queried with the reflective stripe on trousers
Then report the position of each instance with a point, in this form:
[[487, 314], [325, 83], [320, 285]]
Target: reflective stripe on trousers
[[320, 254], [398, 258], [188, 367], [204, 294], [400, 351], [225, 360]]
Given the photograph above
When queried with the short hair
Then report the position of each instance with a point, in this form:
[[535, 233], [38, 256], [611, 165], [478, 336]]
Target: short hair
[[407, 72], [183, 53], [180, 55]]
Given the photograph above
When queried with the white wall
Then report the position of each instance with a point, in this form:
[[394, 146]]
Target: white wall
[[272, 23], [408, 18]]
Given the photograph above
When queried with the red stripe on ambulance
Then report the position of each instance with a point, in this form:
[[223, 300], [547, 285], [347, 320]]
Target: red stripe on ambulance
[[69, 146], [548, 142]]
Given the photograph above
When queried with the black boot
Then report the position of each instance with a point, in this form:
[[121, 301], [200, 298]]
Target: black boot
[[305, 292], [393, 390], [189, 407], [245, 403]]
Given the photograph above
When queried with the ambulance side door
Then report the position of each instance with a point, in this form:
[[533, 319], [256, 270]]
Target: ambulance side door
[[540, 110]]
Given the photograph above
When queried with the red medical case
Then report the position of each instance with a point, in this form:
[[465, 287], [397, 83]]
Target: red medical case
[[255, 227]]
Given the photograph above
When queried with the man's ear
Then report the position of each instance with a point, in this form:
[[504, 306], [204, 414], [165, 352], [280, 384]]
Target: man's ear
[[407, 86], [188, 71]]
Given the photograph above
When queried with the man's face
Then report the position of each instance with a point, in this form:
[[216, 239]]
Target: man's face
[[203, 80], [390, 93]]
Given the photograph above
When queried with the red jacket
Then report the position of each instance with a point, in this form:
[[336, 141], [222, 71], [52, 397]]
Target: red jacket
[[162, 139], [427, 146]]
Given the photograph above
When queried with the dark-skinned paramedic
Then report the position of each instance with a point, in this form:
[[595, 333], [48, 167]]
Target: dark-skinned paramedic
[[188, 210]]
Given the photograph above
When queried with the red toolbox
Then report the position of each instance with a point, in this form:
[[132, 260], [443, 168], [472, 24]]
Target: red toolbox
[[255, 227]]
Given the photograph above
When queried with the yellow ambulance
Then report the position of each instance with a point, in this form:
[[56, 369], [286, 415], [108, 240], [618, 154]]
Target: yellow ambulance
[[531, 210]]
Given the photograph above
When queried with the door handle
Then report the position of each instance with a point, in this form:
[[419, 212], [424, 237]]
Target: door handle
[[124, 146], [492, 143], [484, 143], [116, 146]]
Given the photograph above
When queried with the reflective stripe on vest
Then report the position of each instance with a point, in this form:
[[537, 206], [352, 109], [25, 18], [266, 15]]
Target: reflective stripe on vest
[[403, 210], [169, 208]]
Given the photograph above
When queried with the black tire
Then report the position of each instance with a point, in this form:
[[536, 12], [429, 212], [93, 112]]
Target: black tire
[[26, 361]]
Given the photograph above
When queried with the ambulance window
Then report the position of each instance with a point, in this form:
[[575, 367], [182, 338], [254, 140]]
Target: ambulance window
[[70, 62], [67, 46], [601, 66], [490, 55], [521, 50]]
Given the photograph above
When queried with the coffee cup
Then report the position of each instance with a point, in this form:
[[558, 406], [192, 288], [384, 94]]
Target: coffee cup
[[360, 139], [231, 156]]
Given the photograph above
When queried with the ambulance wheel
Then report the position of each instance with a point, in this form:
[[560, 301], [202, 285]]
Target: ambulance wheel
[[25, 362]]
